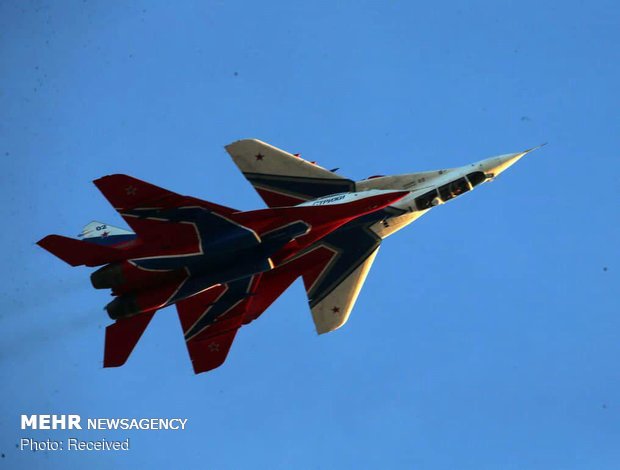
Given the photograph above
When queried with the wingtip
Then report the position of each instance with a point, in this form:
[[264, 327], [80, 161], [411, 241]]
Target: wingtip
[[236, 143]]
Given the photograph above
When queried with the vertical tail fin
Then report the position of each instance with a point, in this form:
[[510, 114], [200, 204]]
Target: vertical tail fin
[[121, 338], [283, 179], [101, 233]]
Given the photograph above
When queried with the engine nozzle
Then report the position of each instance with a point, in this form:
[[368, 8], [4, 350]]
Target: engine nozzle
[[108, 277], [124, 306]]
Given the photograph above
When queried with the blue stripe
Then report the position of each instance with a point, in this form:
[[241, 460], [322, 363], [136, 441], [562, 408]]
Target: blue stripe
[[301, 187], [354, 242], [237, 290]]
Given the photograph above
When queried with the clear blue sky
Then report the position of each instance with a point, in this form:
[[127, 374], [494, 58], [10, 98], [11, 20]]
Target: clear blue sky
[[488, 333]]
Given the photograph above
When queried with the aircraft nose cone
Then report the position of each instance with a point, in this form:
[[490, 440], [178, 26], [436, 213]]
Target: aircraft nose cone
[[497, 165], [504, 162]]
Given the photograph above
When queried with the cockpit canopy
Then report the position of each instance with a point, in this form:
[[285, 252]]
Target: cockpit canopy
[[450, 190], [476, 178]]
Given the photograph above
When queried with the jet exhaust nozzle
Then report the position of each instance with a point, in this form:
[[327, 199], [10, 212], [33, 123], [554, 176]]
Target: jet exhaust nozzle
[[123, 307], [108, 277]]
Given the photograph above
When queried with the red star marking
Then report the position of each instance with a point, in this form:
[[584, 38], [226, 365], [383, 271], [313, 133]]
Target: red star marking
[[336, 309], [130, 190], [105, 234], [259, 157], [214, 347]]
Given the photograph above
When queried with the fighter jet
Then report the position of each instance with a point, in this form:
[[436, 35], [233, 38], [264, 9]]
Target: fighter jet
[[205, 258], [223, 268]]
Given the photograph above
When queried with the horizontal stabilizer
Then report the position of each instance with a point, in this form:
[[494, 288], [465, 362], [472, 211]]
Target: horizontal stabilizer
[[78, 252], [122, 336]]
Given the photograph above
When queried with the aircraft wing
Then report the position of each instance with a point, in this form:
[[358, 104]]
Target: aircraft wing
[[281, 178], [341, 263]]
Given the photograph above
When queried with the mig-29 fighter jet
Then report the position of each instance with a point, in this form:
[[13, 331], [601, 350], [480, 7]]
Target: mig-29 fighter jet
[[223, 268], [208, 260]]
